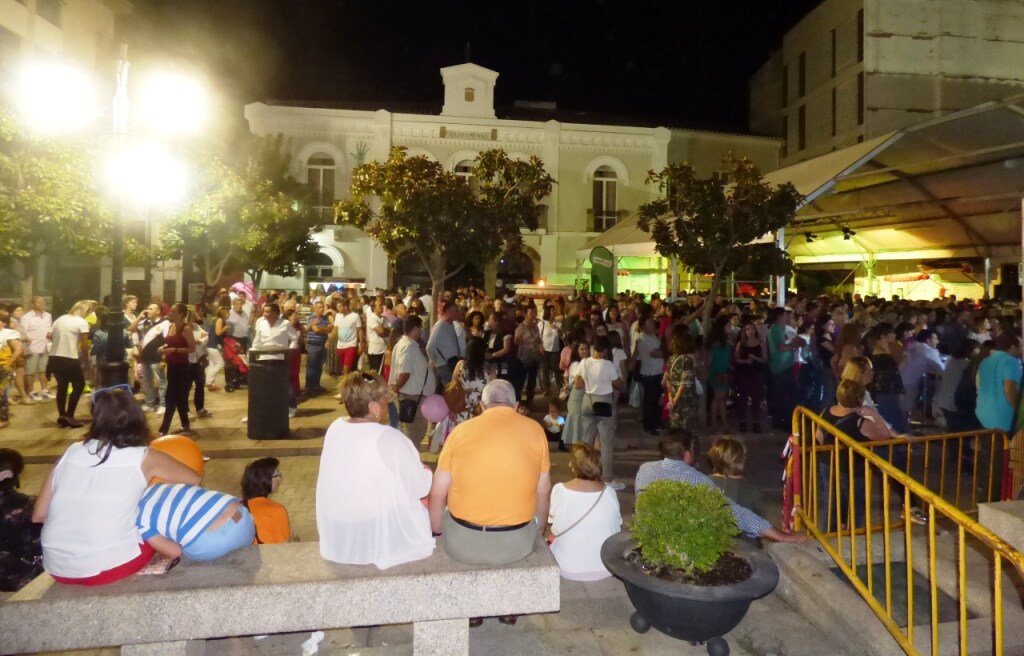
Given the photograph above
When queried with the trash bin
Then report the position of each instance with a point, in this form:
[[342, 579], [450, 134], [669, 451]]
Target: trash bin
[[268, 396]]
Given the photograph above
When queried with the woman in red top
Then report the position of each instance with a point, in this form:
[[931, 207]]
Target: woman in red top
[[178, 343]]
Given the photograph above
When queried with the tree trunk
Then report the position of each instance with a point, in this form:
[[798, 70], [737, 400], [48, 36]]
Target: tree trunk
[[709, 303]]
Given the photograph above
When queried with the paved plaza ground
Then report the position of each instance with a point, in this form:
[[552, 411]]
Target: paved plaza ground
[[595, 616]]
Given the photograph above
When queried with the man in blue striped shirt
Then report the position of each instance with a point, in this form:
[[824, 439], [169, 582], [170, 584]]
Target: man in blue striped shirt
[[187, 519], [678, 453]]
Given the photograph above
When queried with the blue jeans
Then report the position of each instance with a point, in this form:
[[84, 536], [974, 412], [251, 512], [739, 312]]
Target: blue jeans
[[782, 397], [154, 383], [891, 409], [316, 355], [211, 545]]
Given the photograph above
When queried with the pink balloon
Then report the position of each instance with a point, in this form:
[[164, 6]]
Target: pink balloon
[[434, 408]]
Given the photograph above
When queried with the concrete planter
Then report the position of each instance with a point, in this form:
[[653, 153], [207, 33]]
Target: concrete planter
[[689, 612]]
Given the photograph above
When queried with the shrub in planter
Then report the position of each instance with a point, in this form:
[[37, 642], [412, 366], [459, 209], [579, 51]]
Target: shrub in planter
[[688, 527]]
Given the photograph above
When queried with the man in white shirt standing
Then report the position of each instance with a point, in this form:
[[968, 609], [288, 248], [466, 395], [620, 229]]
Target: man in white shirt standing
[[37, 324], [273, 332], [350, 336], [239, 322], [412, 377], [376, 334]]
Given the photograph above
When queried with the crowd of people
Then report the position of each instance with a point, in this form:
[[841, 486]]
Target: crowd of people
[[867, 365]]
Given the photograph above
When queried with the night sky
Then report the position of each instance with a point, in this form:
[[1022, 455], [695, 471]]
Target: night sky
[[681, 62]]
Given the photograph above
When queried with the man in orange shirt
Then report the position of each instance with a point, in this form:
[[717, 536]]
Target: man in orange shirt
[[495, 475]]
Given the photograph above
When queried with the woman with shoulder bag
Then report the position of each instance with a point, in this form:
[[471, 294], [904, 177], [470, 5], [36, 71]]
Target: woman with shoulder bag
[[582, 515], [598, 378]]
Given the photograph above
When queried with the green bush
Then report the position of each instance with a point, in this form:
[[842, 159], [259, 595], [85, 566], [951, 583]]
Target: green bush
[[682, 525]]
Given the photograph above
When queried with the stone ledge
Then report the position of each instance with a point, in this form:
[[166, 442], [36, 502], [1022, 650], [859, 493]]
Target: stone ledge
[[271, 589]]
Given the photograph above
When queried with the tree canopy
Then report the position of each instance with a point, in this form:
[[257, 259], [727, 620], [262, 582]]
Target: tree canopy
[[256, 218], [711, 227], [414, 203], [49, 199]]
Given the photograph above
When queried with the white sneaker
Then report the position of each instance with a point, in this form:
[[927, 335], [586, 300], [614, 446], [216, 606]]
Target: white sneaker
[[35, 396], [204, 413], [617, 486], [46, 396], [245, 420], [161, 410], [291, 412], [337, 396]]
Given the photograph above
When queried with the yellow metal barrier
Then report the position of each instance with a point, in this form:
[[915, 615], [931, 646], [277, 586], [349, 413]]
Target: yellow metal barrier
[[945, 463], [831, 492]]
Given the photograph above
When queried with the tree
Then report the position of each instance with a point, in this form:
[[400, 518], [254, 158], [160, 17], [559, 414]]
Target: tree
[[413, 203], [257, 219], [49, 200], [710, 227]]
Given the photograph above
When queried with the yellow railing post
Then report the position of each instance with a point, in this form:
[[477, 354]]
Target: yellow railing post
[[811, 517]]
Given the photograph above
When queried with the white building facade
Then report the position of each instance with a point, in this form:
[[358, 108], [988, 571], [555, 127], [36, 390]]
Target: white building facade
[[600, 168], [852, 70]]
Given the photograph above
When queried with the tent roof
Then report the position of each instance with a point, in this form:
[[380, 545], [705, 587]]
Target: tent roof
[[948, 187]]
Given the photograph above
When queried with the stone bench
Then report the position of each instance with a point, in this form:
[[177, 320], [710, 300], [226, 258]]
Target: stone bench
[[275, 589]]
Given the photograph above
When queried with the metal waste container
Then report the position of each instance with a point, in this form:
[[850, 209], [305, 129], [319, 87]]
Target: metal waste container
[[268, 395]]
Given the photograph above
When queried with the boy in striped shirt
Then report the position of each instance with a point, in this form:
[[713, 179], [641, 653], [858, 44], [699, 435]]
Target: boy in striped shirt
[[177, 519]]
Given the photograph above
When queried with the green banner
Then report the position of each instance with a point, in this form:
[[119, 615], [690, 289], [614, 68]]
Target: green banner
[[602, 267]]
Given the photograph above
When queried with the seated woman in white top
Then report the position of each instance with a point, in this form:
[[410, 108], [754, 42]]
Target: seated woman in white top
[[584, 513], [89, 502], [368, 508]]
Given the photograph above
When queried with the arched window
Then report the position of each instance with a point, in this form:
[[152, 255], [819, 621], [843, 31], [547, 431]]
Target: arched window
[[605, 202], [320, 176], [320, 267], [464, 170]]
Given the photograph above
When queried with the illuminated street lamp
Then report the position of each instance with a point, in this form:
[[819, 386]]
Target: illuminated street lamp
[[57, 99]]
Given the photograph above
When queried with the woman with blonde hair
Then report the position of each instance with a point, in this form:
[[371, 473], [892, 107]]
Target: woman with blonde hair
[[848, 345], [368, 508], [584, 512], [70, 335]]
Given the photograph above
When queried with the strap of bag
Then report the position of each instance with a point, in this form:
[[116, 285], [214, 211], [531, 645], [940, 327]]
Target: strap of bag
[[576, 523]]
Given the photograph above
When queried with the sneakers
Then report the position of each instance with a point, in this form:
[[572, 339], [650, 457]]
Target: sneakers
[[204, 413], [44, 396], [292, 412], [917, 516], [245, 420], [36, 396], [161, 410], [616, 485]]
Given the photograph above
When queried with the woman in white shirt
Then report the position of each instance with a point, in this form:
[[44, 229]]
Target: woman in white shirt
[[583, 514], [598, 378], [89, 503], [368, 508], [70, 333]]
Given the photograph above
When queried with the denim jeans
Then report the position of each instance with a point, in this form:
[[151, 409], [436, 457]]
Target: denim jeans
[[154, 383], [782, 397], [316, 355]]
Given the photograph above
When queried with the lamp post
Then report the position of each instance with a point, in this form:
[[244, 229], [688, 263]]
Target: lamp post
[[57, 98], [115, 370]]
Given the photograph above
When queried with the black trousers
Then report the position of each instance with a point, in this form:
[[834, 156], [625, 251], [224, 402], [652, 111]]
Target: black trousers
[[651, 407], [179, 381], [67, 371], [199, 379]]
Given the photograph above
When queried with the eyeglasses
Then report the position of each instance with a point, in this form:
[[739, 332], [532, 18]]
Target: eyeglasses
[[125, 386]]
